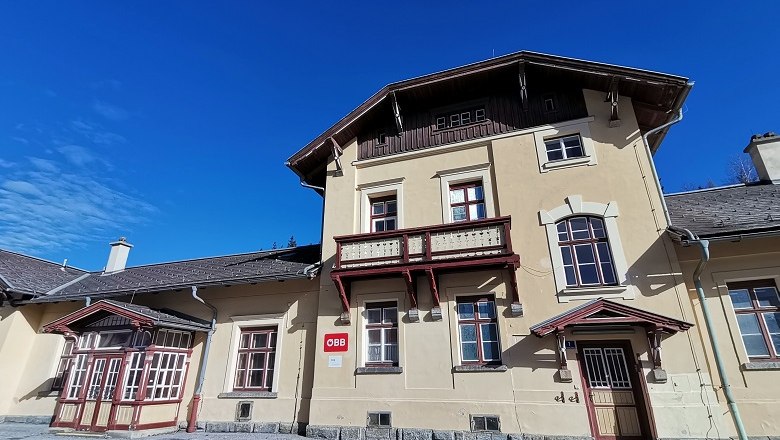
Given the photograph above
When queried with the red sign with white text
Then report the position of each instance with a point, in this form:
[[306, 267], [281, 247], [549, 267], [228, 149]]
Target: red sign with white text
[[336, 342]]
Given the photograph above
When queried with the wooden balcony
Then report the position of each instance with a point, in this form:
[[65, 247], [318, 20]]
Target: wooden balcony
[[425, 251]]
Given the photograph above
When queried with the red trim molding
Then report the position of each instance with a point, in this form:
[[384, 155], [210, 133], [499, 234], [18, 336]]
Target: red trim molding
[[63, 324]]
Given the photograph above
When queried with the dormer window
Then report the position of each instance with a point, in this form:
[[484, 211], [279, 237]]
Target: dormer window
[[460, 118]]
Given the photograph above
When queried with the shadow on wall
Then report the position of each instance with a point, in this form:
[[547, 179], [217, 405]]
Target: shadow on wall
[[652, 273]]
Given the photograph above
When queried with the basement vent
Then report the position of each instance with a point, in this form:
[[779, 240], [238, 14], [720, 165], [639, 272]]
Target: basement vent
[[485, 423], [378, 419], [243, 411]]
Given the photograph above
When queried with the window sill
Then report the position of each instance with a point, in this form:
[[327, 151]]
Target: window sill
[[479, 368], [378, 370], [247, 395], [588, 293], [761, 365], [560, 163]]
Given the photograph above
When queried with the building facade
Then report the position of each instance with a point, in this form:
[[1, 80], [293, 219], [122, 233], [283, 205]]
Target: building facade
[[497, 259]]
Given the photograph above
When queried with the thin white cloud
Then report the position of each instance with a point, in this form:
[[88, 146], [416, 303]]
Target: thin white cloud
[[77, 155], [6, 164], [110, 111], [43, 208], [95, 133], [21, 140]]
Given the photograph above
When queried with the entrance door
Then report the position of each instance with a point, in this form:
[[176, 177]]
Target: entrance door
[[614, 396], [100, 393]]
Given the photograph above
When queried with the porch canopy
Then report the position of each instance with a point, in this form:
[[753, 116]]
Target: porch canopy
[[602, 312], [110, 313], [601, 315]]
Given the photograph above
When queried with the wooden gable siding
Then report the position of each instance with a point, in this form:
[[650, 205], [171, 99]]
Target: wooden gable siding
[[504, 113]]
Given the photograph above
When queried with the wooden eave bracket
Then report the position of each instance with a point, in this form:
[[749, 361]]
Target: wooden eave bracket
[[517, 306], [433, 284], [523, 85], [612, 98], [564, 374], [344, 294], [411, 290], [399, 125]]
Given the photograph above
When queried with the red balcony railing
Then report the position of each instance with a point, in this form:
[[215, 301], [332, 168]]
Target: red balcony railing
[[439, 243]]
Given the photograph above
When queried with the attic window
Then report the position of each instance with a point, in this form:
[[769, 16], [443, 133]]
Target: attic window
[[549, 103], [460, 118]]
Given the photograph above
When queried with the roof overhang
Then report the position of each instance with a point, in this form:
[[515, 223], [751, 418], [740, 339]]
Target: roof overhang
[[602, 312], [657, 99], [69, 324]]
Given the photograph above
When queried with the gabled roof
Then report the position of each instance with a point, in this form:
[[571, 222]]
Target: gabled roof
[[144, 316], [253, 267], [605, 312], [657, 97], [29, 275], [727, 211]]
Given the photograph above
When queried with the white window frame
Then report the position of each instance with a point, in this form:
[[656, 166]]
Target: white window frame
[[456, 176], [608, 212], [278, 320], [557, 131], [366, 306], [375, 190]]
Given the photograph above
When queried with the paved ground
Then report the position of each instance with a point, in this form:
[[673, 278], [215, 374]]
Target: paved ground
[[19, 431]]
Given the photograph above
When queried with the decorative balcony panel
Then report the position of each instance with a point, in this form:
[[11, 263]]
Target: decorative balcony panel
[[422, 245]]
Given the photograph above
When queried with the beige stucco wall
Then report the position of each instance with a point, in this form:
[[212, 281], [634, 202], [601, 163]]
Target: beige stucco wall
[[755, 259], [27, 379], [428, 393]]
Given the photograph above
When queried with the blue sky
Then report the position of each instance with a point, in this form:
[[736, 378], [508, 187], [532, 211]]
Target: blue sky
[[169, 122]]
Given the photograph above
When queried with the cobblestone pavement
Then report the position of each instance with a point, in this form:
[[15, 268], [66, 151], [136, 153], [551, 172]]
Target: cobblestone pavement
[[20, 431]]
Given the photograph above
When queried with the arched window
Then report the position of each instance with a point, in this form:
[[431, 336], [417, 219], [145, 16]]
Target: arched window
[[585, 251]]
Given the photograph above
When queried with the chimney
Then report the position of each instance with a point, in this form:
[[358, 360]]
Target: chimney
[[765, 152], [117, 259]]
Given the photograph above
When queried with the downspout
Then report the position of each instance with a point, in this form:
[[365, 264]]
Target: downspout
[[192, 422], [656, 179], [724, 380]]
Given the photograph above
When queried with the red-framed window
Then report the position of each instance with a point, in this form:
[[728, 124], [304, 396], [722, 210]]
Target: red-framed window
[[757, 306], [382, 334], [587, 258], [478, 330], [384, 214], [63, 366], [467, 201], [256, 357]]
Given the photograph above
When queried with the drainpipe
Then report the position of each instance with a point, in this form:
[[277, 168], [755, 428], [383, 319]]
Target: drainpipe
[[319, 189], [724, 380], [656, 179], [192, 422]]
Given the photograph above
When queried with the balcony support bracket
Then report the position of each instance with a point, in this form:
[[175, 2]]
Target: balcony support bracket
[[564, 374], [343, 288], [433, 284], [654, 336], [411, 290], [517, 306]]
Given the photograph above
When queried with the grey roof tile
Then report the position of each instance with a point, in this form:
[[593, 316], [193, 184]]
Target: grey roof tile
[[229, 269], [724, 211], [164, 318], [22, 273]]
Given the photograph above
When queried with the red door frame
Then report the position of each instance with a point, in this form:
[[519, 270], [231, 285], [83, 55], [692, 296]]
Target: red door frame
[[99, 400], [638, 387]]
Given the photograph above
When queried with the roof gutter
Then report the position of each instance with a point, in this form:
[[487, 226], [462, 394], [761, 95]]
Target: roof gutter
[[192, 421], [656, 179], [703, 245]]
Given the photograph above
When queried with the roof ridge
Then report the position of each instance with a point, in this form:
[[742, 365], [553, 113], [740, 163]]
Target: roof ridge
[[270, 252], [715, 188]]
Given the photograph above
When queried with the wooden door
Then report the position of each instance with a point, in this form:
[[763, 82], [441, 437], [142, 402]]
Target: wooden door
[[613, 395], [101, 385]]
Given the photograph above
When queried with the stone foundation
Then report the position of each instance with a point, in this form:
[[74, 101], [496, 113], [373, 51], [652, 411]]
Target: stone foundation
[[362, 433], [38, 420]]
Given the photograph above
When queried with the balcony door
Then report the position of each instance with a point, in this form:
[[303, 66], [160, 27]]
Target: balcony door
[[101, 386]]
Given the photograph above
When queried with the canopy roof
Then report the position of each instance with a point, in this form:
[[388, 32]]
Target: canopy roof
[[605, 312], [137, 315]]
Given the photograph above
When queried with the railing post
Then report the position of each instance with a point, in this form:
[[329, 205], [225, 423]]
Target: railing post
[[338, 255], [405, 251], [507, 237], [428, 246]]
